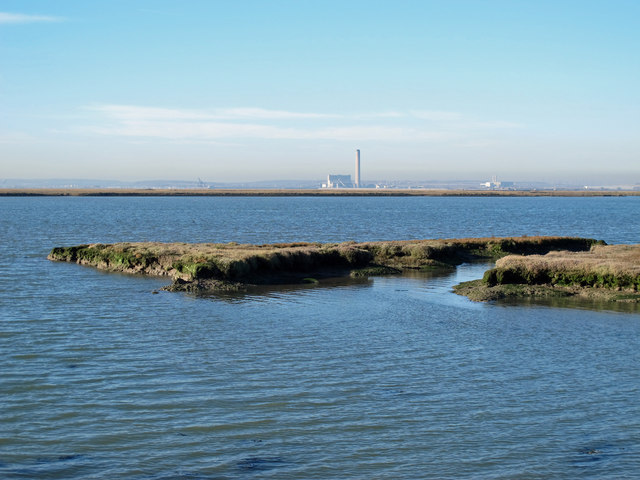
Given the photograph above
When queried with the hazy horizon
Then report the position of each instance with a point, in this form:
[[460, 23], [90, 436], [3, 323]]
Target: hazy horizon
[[256, 91], [302, 183]]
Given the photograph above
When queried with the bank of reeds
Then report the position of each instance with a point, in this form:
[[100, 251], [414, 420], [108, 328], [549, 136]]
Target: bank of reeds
[[604, 266]]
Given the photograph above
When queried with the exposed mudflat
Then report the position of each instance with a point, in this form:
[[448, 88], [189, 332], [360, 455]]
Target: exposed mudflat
[[479, 291]]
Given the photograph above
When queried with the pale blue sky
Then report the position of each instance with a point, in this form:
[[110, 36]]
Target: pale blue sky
[[250, 90]]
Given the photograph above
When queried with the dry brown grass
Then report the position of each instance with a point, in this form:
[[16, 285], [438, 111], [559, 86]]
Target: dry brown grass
[[607, 259], [610, 266]]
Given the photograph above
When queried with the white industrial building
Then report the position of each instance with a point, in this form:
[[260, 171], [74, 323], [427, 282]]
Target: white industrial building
[[344, 181], [494, 184], [338, 181]]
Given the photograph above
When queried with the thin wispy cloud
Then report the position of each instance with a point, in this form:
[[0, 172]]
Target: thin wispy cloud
[[155, 113], [497, 124], [137, 113], [16, 18], [259, 123], [15, 138], [217, 130], [260, 113], [379, 115]]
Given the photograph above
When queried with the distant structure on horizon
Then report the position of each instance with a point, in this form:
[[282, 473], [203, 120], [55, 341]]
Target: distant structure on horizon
[[344, 181], [357, 182], [494, 184], [338, 181]]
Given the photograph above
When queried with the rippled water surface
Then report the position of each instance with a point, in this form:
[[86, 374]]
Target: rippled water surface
[[391, 377]]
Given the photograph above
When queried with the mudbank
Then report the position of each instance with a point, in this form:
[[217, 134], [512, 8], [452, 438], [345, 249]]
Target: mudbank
[[604, 273], [211, 267]]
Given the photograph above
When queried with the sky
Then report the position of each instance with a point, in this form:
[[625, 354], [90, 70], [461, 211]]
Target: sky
[[227, 91]]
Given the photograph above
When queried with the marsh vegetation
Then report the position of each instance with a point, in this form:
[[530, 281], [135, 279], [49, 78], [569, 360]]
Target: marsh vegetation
[[607, 272], [211, 266]]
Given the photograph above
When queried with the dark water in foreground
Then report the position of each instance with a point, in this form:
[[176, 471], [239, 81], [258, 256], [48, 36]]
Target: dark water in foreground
[[393, 377]]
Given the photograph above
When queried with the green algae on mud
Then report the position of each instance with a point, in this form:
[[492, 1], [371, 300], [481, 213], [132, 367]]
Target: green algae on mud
[[606, 273], [220, 267]]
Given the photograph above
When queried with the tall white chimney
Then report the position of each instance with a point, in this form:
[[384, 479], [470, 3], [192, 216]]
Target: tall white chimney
[[357, 180]]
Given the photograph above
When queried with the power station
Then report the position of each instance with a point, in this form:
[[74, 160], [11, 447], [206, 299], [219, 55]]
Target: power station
[[344, 181]]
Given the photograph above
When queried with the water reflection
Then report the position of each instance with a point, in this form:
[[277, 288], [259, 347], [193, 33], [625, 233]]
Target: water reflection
[[441, 279], [272, 292], [573, 303]]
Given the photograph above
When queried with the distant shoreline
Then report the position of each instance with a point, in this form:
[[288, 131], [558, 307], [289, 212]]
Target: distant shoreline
[[350, 192]]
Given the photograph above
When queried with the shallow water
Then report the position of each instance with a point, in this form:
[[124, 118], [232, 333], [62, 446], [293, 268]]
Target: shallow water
[[391, 377]]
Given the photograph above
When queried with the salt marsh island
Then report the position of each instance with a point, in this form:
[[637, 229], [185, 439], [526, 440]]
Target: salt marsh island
[[210, 267], [603, 273]]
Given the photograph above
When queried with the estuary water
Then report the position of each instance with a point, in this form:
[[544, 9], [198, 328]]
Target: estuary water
[[385, 378]]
